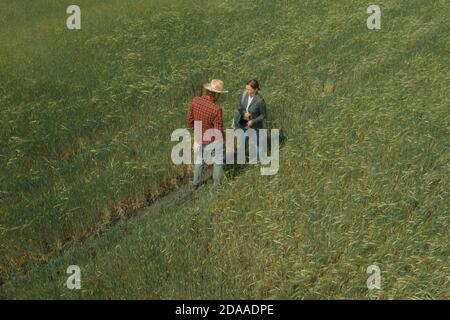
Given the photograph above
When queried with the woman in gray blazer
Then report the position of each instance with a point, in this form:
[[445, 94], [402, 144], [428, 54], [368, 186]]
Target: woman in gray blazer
[[252, 110], [251, 107]]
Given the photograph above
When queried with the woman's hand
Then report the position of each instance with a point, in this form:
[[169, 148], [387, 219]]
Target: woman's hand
[[250, 123], [246, 115]]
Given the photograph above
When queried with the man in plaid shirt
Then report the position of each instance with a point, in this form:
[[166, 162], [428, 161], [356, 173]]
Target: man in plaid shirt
[[205, 112]]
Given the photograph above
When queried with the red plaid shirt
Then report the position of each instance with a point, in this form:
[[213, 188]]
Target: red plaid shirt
[[205, 110]]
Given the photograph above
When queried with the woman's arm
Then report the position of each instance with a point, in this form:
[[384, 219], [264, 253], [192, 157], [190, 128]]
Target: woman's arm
[[262, 112], [241, 108]]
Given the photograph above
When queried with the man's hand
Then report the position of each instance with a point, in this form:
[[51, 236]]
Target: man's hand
[[250, 123], [246, 115]]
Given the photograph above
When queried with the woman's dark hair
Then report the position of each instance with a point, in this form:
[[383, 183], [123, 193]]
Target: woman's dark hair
[[254, 84]]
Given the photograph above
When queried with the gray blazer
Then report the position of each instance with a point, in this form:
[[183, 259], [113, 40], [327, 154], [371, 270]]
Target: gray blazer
[[257, 110]]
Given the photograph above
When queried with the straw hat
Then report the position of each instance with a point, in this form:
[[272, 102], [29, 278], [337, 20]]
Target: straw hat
[[215, 86]]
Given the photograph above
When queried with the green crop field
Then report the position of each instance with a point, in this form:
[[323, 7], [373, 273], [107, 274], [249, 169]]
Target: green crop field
[[86, 176]]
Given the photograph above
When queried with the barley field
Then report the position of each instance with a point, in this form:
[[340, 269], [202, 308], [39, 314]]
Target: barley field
[[86, 176]]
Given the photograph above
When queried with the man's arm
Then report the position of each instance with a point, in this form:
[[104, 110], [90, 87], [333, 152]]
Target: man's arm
[[190, 117], [218, 124]]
